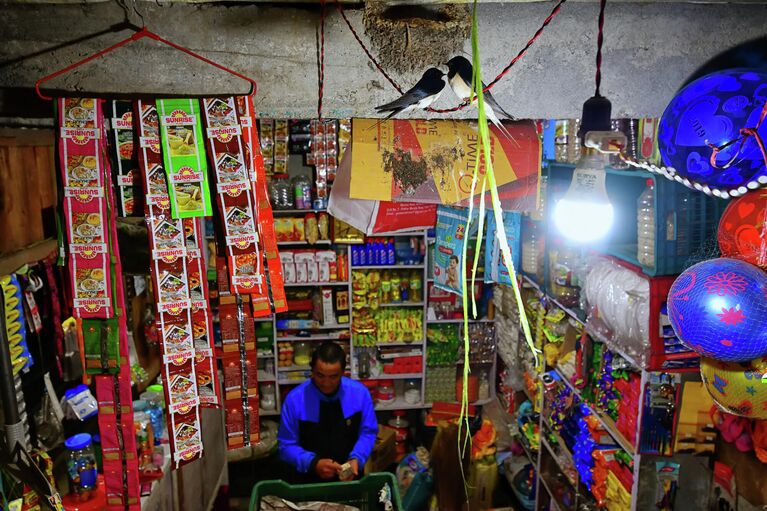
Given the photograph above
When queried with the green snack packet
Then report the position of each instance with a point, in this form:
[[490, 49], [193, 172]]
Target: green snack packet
[[183, 151], [101, 340]]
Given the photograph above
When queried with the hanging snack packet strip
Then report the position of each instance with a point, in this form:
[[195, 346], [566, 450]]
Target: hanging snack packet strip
[[202, 320], [170, 256], [255, 163], [123, 157], [184, 157], [240, 371], [235, 199], [82, 164], [118, 442], [121, 384]]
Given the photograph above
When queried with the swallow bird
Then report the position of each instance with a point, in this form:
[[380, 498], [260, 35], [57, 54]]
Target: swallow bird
[[459, 76], [422, 95]]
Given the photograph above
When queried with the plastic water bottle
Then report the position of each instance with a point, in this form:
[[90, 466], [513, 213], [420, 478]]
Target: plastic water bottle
[[646, 226], [532, 250]]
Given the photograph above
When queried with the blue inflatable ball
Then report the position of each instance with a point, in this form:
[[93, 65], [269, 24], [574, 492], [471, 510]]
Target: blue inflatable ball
[[718, 308], [713, 109]]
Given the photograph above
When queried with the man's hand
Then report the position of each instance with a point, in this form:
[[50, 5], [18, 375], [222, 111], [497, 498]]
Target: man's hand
[[354, 464], [327, 468]]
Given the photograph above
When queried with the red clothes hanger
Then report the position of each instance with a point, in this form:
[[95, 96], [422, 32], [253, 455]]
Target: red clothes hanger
[[144, 32]]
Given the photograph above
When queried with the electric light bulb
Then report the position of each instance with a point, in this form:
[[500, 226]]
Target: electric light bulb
[[585, 214]]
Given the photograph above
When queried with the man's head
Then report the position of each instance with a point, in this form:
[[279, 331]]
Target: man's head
[[328, 364]]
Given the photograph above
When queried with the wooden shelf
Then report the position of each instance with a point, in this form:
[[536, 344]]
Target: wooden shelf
[[11, 262]]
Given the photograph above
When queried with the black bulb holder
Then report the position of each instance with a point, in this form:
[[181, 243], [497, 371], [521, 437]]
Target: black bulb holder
[[595, 116]]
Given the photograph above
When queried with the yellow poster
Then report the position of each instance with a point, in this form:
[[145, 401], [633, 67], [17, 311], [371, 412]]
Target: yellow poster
[[434, 160]]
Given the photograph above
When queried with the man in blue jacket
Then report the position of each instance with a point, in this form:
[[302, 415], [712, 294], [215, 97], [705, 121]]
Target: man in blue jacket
[[327, 421]]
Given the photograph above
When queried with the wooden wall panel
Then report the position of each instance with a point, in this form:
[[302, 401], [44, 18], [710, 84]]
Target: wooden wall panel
[[27, 189]]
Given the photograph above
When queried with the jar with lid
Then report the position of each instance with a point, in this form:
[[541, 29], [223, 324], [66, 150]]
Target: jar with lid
[[268, 398], [302, 353], [302, 189], [386, 392], [81, 465], [401, 433], [564, 265], [412, 392], [280, 194]]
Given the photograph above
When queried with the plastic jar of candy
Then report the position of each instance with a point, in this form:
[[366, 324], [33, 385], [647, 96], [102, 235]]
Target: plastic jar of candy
[[268, 397], [386, 392], [81, 465], [302, 353], [280, 193], [412, 392]]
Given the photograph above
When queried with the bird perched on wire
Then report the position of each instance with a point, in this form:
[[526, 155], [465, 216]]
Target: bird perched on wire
[[422, 95], [459, 76]]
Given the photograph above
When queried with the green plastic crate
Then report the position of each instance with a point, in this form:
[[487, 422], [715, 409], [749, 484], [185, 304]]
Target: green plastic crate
[[362, 494]]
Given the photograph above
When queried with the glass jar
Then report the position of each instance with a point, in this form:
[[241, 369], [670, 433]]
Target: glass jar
[[564, 266], [268, 397], [81, 465], [412, 392], [386, 392], [280, 193], [302, 353], [302, 190], [484, 385]]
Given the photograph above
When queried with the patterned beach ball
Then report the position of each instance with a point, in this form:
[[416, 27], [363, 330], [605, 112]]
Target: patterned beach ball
[[743, 229], [718, 308], [736, 387], [713, 109]]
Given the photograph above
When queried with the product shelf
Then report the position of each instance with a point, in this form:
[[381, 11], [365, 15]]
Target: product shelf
[[388, 267], [340, 326], [302, 243], [399, 404], [294, 338], [304, 284], [400, 376], [606, 421]]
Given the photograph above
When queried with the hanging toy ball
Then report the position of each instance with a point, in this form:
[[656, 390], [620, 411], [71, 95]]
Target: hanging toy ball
[[718, 308], [736, 387], [743, 229], [712, 110]]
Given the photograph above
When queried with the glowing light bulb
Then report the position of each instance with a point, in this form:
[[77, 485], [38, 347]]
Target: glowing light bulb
[[585, 214]]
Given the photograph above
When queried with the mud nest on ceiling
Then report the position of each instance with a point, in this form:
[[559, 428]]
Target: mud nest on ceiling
[[411, 38]]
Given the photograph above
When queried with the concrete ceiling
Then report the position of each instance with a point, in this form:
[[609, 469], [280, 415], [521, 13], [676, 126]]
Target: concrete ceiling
[[650, 51]]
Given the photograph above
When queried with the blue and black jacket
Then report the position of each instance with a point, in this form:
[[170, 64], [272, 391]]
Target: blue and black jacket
[[314, 426]]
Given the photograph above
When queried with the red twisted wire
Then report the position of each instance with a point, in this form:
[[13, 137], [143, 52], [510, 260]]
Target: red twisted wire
[[600, 40], [489, 86], [365, 49]]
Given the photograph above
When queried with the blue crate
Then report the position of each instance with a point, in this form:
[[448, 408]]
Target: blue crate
[[686, 220]]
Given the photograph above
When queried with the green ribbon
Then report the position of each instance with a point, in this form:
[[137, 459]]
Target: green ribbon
[[487, 179]]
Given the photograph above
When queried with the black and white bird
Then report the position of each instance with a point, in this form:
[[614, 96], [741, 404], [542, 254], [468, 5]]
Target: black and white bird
[[422, 95], [459, 76]]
